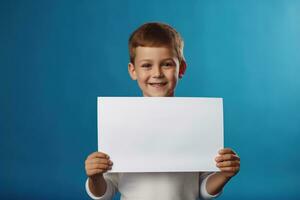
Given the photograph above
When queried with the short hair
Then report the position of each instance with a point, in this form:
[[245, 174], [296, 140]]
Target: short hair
[[156, 34]]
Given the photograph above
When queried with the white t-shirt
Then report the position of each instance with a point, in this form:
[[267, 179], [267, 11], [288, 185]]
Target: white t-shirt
[[155, 186]]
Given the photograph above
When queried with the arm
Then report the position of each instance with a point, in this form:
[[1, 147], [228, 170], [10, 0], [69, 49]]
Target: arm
[[97, 186], [215, 183], [110, 181], [229, 164]]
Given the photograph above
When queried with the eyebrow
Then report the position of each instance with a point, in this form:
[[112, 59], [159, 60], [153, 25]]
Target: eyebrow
[[170, 58]]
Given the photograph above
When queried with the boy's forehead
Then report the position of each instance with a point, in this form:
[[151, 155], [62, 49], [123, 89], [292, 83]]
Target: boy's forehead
[[154, 52]]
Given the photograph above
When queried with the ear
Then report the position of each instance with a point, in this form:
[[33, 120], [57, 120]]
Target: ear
[[131, 71], [182, 68]]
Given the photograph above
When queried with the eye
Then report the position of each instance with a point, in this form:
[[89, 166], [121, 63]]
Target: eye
[[168, 64], [146, 65]]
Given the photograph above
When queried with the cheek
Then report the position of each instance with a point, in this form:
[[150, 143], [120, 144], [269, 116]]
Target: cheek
[[172, 76], [142, 77]]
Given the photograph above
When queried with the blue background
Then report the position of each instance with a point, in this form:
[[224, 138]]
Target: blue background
[[56, 57]]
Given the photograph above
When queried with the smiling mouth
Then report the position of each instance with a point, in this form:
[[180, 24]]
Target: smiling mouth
[[158, 84]]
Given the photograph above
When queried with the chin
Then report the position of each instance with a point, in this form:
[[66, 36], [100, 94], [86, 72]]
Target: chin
[[157, 94]]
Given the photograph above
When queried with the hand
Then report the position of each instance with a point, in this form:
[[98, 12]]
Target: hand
[[97, 163], [228, 162]]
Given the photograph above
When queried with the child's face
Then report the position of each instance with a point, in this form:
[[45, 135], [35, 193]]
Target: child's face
[[156, 70]]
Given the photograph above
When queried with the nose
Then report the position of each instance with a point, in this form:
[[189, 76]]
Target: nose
[[157, 72]]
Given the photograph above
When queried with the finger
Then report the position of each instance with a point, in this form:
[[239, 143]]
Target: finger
[[230, 169], [226, 151], [228, 164], [96, 160], [97, 166], [95, 171], [227, 157], [98, 155], [99, 161]]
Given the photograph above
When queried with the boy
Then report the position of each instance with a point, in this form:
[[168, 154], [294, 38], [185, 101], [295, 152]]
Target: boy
[[156, 63]]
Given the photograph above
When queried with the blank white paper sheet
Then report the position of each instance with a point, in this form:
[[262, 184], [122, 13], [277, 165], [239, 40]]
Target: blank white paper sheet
[[160, 134]]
